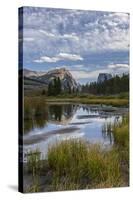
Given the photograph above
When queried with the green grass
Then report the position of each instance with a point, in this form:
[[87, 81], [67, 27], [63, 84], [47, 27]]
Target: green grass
[[34, 106], [35, 187], [88, 100], [107, 128], [114, 100], [76, 164], [34, 162], [121, 133], [121, 139], [35, 112]]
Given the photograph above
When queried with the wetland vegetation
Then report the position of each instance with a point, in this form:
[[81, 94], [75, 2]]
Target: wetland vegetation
[[79, 162], [76, 164]]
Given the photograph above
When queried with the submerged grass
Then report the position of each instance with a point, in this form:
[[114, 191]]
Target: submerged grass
[[107, 128], [34, 162]]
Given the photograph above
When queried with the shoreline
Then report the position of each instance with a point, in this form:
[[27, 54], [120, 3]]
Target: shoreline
[[112, 102]]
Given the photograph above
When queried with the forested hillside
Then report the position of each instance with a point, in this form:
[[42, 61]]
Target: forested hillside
[[115, 85]]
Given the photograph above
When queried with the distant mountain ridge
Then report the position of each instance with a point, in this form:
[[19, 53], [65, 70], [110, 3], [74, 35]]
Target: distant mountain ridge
[[30, 73]]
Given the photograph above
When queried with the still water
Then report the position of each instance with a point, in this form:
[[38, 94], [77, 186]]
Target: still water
[[69, 121]]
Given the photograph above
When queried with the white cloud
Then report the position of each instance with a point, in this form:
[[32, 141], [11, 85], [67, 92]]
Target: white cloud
[[60, 56], [119, 68], [28, 39], [76, 31], [68, 56], [116, 66], [76, 35], [71, 36], [112, 69], [47, 33], [48, 59], [88, 74], [39, 61]]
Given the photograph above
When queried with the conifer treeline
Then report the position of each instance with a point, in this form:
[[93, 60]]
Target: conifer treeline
[[114, 85], [54, 87]]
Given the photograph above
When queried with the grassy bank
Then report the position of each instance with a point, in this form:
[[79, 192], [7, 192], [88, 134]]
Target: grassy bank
[[75, 164], [121, 140], [35, 112], [121, 99], [118, 100], [34, 106], [113, 102]]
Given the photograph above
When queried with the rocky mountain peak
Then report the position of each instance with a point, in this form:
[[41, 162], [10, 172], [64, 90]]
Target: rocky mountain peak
[[67, 80], [103, 76]]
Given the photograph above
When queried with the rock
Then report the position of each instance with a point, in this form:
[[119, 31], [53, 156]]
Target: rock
[[103, 76], [34, 78], [67, 80], [29, 73]]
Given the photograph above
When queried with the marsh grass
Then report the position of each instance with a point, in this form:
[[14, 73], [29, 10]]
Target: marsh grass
[[121, 139], [107, 128], [35, 187], [121, 133], [35, 113], [34, 106], [34, 162], [90, 100], [75, 164]]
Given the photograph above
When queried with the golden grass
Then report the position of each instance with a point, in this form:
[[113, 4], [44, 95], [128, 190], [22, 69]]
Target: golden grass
[[75, 164], [113, 102]]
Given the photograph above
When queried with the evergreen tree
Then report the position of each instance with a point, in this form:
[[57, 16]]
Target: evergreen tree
[[114, 85], [54, 87]]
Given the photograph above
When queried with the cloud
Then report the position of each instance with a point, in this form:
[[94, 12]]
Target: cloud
[[77, 32], [47, 33], [71, 36], [28, 39], [112, 69], [67, 56], [96, 40], [90, 74], [60, 56], [47, 59], [117, 66]]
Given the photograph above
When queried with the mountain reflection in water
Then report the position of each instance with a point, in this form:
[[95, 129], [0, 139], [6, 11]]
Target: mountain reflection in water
[[67, 121]]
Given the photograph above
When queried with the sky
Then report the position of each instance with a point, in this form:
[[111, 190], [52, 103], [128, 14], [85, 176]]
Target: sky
[[84, 42]]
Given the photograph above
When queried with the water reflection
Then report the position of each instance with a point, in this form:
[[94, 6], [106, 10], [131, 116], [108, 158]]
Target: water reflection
[[59, 122], [53, 114], [38, 122], [61, 113]]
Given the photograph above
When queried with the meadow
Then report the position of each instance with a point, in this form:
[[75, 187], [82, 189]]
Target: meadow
[[121, 99]]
